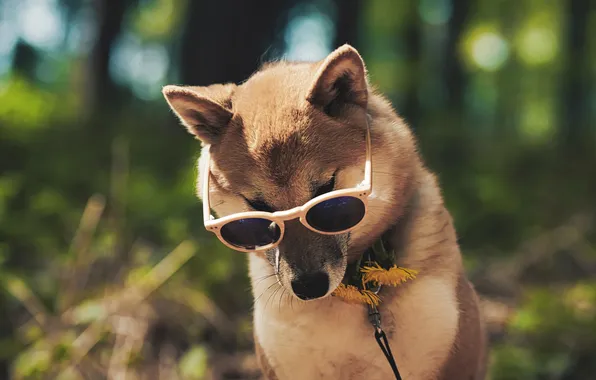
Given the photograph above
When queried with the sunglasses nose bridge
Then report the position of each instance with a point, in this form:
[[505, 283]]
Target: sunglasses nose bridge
[[298, 235], [289, 215]]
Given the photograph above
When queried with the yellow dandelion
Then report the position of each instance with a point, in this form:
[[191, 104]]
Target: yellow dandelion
[[392, 276], [352, 294]]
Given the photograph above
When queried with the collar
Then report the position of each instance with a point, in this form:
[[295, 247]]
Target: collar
[[373, 270]]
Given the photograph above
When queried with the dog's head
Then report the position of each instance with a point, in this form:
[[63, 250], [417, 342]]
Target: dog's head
[[293, 131]]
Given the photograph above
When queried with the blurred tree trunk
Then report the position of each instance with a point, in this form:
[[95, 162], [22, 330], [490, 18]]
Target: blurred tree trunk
[[225, 40], [454, 74], [26, 59], [105, 104], [413, 42], [574, 123], [347, 24], [101, 88]]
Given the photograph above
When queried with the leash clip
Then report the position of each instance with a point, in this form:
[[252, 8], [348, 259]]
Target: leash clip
[[373, 312], [375, 319]]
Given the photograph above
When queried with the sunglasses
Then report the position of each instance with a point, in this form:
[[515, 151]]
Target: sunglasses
[[333, 213]]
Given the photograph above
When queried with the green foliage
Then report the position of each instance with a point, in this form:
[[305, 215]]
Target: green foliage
[[512, 363], [548, 333], [194, 363], [25, 108], [158, 19]]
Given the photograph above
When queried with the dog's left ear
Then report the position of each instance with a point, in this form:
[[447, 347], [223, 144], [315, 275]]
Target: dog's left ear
[[340, 80]]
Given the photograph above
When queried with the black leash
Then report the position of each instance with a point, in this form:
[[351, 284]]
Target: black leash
[[375, 320], [373, 312]]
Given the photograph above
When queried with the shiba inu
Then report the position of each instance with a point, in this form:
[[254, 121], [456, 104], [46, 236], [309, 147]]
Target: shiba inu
[[286, 165]]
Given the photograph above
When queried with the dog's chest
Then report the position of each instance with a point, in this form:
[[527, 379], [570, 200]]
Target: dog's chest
[[336, 341], [336, 344]]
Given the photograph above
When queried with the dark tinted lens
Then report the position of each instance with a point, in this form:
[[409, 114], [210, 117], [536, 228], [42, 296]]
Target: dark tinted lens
[[336, 214], [251, 233]]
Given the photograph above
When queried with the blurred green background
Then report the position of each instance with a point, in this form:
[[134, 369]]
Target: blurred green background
[[96, 175]]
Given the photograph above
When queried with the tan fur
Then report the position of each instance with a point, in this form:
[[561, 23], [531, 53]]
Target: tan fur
[[266, 369], [291, 126]]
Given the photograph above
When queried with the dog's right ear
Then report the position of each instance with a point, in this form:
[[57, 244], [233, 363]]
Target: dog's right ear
[[204, 111]]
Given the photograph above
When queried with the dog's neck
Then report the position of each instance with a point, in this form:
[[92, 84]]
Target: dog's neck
[[394, 236], [424, 237], [388, 239]]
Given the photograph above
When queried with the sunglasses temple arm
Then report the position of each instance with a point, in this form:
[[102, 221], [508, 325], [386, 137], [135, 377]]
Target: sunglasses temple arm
[[368, 165], [205, 187]]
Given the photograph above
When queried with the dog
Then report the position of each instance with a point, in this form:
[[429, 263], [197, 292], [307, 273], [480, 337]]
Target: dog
[[294, 131]]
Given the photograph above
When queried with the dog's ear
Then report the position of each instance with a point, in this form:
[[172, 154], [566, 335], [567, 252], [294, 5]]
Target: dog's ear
[[340, 80], [204, 111]]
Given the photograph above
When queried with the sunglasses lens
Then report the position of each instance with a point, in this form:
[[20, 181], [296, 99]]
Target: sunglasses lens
[[251, 233], [336, 214]]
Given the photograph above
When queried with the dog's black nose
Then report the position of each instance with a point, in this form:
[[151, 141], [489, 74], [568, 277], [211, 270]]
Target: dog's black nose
[[309, 286]]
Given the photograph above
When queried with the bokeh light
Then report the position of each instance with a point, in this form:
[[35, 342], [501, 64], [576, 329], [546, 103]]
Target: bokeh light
[[537, 45], [536, 41], [537, 120], [8, 39], [435, 12], [158, 18], [41, 24], [309, 34], [82, 31], [143, 66], [486, 49]]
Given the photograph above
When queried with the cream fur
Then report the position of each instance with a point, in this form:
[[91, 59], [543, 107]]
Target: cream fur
[[330, 339]]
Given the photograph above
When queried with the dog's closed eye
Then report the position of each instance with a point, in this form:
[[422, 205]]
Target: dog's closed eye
[[259, 205], [325, 188]]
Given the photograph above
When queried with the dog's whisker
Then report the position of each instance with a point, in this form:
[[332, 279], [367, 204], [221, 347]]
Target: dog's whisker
[[269, 298], [279, 293], [264, 291], [265, 276], [283, 293], [258, 281], [272, 296]]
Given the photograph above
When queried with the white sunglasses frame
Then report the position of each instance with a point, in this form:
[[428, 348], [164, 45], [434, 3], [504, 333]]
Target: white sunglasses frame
[[214, 225]]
